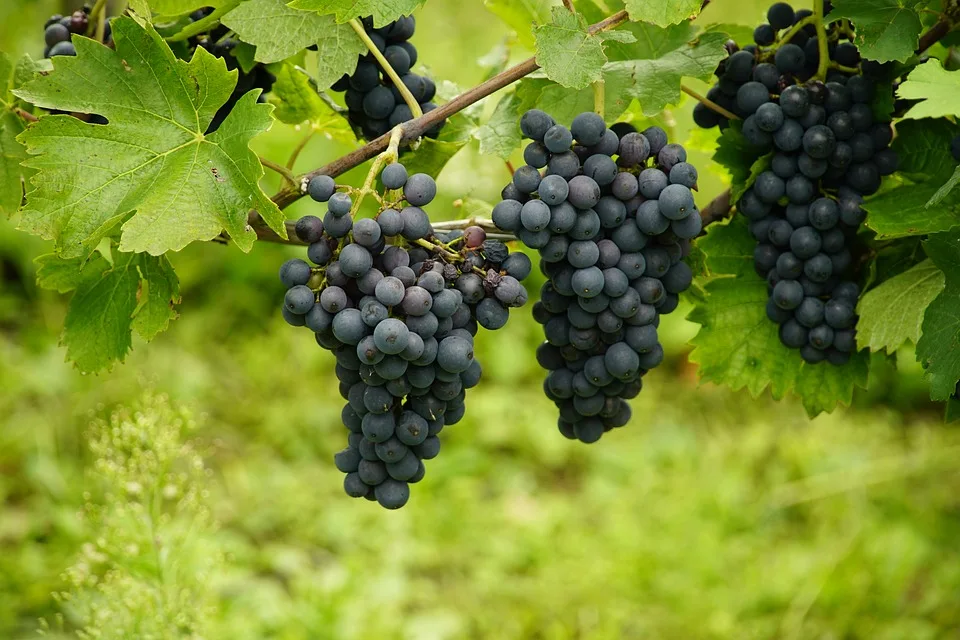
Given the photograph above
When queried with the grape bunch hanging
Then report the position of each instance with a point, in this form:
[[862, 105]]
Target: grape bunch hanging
[[826, 152], [374, 104], [398, 305], [612, 217]]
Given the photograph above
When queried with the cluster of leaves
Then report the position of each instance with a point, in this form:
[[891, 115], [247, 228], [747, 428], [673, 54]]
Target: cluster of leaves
[[116, 198]]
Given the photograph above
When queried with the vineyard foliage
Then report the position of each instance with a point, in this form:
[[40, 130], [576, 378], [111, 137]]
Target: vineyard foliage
[[118, 195]]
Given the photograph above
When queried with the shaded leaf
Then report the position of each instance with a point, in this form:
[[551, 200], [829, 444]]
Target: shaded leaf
[[892, 312], [886, 29], [938, 349]]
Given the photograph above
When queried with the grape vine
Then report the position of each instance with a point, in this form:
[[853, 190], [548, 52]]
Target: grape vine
[[808, 121]]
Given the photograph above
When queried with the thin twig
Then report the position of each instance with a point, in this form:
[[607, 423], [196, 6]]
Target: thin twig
[[389, 70], [795, 29], [279, 168], [569, 5], [26, 115], [299, 148], [710, 104]]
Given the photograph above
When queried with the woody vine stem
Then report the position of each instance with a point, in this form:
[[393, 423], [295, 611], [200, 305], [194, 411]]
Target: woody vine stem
[[411, 131]]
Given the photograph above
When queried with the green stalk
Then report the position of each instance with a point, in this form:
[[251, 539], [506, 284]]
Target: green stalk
[[204, 24], [402, 88], [599, 97], [387, 157], [822, 43]]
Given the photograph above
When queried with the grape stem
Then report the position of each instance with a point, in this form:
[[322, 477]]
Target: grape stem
[[279, 168], [394, 77], [449, 255], [203, 24], [839, 67], [599, 97], [707, 102], [795, 29], [25, 115], [822, 43], [387, 157], [94, 18]]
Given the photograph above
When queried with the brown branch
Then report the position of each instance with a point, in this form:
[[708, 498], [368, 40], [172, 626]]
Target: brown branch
[[718, 209], [936, 33], [26, 115], [414, 129]]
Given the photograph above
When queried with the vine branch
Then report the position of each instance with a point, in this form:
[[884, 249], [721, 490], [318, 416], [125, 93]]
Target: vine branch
[[936, 33], [718, 209]]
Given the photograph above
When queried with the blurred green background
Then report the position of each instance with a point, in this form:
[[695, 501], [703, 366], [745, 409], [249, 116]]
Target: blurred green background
[[712, 515]]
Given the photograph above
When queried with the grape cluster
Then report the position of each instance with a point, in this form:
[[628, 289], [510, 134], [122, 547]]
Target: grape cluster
[[399, 306], [827, 151], [776, 62], [374, 104], [59, 29], [612, 217], [217, 43]]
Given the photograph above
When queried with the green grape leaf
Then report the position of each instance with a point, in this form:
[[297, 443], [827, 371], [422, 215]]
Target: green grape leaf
[[432, 156], [137, 291], [655, 83], [156, 308], [501, 136], [521, 16], [663, 12], [945, 190], [12, 153], [886, 29], [560, 102], [651, 41], [736, 32], [737, 344], [923, 148], [892, 312], [179, 7], [279, 32], [297, 101], [65, 275], [937, 89], [938, 349], [383, 11], [568, 53], [151, 173], [245, 55], [735, 154]]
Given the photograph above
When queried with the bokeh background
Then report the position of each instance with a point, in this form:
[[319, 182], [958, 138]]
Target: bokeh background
[[712, 515]]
